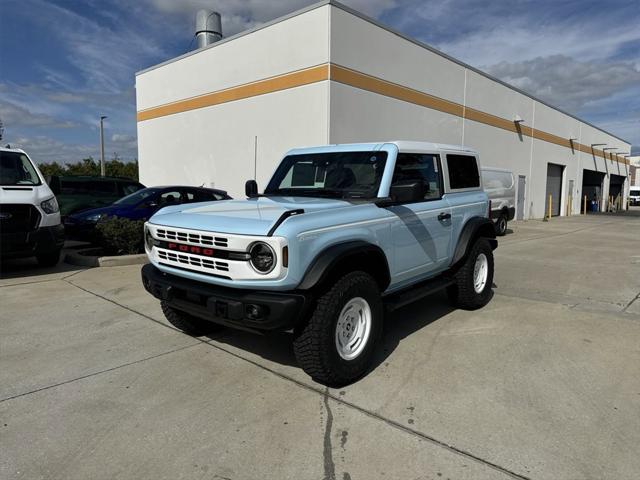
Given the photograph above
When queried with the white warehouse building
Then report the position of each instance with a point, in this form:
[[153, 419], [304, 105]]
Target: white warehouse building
[[226, 113]]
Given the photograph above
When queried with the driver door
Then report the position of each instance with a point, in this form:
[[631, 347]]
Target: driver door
[[422, 230]]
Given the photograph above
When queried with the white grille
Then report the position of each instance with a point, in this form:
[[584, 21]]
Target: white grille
[[182, 236], [192, 260]]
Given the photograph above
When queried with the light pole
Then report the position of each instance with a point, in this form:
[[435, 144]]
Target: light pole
[[102, 169]]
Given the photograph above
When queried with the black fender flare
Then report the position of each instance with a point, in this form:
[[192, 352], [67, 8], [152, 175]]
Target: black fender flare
[[474, 228], [331, 258]]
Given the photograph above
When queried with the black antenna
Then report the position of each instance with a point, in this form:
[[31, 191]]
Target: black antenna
[[255, 157]]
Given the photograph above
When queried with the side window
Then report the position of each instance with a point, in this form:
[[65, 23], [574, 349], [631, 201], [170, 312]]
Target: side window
[[418, 167], [106, 187], [463, 171], [170, 198], [189, 196], [129, 188]]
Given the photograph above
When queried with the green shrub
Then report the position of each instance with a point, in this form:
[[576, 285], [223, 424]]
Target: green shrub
[[120, 236]]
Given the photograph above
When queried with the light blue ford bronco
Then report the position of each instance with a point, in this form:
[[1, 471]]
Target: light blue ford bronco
[[341, 235]]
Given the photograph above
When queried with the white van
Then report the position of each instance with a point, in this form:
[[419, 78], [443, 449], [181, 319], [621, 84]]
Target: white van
[[29, 214], [634, 195], [501, 189]]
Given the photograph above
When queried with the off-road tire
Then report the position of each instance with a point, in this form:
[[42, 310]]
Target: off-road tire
[[189, 324], [462, 293], [314, 343], [48, 259], [501, 225]]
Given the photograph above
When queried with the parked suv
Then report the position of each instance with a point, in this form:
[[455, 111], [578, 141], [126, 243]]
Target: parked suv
[[500, 187], [340, 234], [81, 192], [29, 214]]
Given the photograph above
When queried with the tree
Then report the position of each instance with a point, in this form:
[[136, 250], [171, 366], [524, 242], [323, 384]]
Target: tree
[[88, 166]]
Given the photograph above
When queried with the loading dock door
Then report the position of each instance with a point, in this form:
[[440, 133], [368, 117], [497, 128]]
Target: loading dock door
[[616, 183], [554, 188], [592, 188]]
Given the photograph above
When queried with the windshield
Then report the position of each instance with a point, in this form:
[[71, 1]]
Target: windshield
[[331, 175], [634, 192], [16, 169], [136, 197]]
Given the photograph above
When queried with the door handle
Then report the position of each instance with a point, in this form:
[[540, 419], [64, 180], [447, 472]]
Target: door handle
[[444, 216]]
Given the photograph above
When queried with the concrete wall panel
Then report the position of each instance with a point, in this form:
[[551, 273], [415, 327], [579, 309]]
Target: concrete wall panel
[[367, 48], [361, 116], [214, 146]]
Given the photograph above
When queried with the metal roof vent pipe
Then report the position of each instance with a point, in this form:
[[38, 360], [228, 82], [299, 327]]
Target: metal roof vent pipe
[[208, 27]]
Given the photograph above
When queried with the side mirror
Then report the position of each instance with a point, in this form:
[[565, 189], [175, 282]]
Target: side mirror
[[251, 188], [407, 192]]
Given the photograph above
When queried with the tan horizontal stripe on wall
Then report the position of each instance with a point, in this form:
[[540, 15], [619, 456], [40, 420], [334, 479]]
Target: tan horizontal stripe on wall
[[269, 85], [369, 83], [399, 92], [393, 90]]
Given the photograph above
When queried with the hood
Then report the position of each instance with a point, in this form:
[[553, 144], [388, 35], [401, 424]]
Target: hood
[[254, 216]]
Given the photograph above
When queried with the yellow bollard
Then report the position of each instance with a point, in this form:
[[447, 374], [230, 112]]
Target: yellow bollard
[[585, 204], [549, 208]]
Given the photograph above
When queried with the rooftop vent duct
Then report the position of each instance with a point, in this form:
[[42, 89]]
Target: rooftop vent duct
[[208, 27]]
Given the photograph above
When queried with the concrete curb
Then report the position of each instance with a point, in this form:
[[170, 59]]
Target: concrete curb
[[76, 258]]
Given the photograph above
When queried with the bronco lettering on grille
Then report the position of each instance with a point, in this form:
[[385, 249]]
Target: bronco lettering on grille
[[207, 252]]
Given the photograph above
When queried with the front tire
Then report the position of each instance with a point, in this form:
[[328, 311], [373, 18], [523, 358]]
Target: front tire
[[474, 279], [337, 344], [189, 324]]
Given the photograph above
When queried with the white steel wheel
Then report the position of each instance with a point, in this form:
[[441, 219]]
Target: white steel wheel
[[480, 273], [353, 328]]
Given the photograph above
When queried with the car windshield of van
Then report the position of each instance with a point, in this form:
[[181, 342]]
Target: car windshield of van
[[634, 191], [329, 175], [137, 197], [16, 169]]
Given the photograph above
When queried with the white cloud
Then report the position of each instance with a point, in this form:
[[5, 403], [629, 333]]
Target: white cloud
[[46, 149], [566, 82], [16, 116]]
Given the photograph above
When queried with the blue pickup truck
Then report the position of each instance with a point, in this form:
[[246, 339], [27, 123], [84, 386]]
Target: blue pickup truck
[[341, 235]]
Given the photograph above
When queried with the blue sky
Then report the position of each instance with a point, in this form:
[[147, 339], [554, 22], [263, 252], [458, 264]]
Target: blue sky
[[65, 62]]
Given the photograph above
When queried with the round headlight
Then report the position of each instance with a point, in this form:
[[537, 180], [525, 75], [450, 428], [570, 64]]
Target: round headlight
[[263, 258], [148, 239]]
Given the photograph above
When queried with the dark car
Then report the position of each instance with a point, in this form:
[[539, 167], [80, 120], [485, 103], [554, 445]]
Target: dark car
[[81, 192], [140, 205]]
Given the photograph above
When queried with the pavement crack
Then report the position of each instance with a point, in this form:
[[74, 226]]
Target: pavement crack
[[631, 302], [329, 465]]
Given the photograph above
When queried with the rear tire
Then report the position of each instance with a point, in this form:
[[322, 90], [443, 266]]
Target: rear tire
[[474, 279], [189, 324], [48, 259], [337, 344], [501, 225]]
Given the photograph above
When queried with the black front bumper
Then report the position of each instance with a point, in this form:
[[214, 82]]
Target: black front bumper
[[27, 244], [226, 306]]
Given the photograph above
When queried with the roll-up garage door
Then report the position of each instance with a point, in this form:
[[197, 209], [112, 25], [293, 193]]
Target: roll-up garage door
[[554, 188], [616, 184]]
